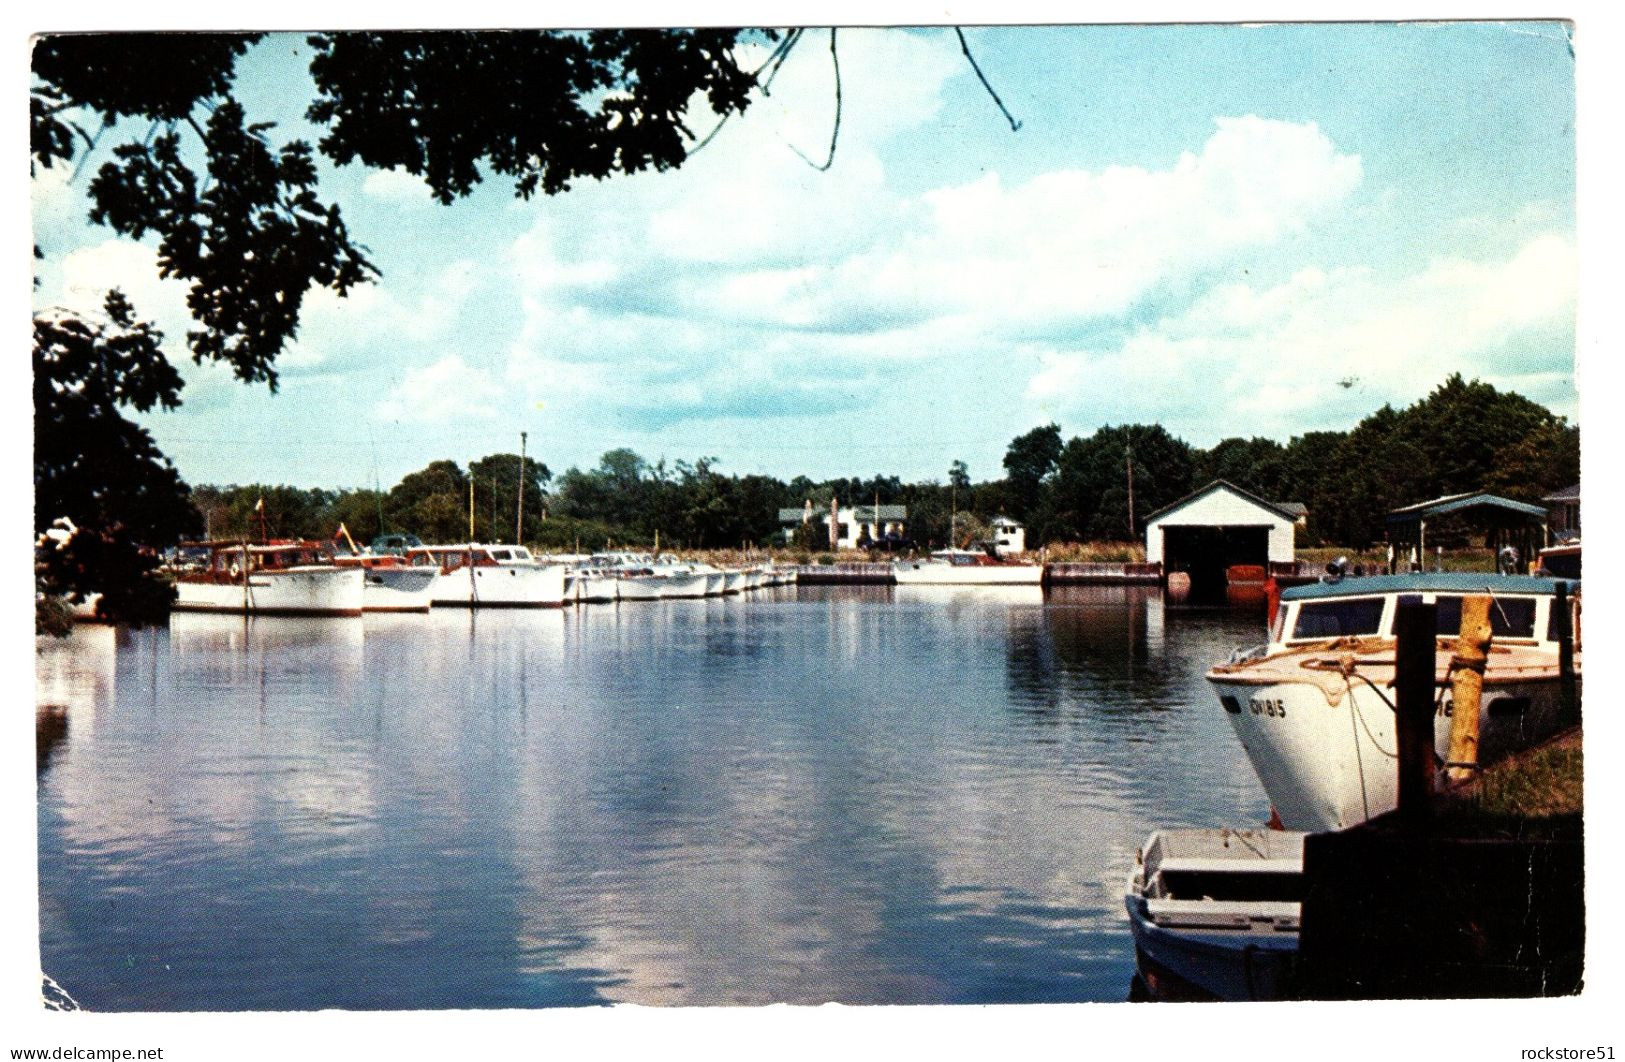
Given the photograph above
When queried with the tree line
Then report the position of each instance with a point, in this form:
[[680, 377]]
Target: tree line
[[1464, 436]]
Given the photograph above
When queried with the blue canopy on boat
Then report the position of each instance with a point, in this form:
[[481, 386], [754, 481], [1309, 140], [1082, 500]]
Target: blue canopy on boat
[[1429, 583]]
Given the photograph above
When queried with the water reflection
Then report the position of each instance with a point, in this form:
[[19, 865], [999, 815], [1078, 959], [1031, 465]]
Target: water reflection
[[853, 794]]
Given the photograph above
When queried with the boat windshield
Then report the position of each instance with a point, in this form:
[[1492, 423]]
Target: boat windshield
[[1338, 617]]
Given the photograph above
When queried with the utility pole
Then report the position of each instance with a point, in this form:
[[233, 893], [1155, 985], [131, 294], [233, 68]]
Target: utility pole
[[519, 520], [1129, 450]]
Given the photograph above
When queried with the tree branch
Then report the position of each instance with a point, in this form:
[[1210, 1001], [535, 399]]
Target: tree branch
[[965, 47], [835, 133]]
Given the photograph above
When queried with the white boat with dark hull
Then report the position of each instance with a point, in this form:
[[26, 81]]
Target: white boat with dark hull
[[476, 575], [964, 567], [279, 578], [1215, 913], [390, 584], [1314, 708]]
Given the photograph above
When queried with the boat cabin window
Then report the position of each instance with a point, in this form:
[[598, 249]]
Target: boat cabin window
[[1510, 617], [501, 554], [1338, 617], [1554, 622]]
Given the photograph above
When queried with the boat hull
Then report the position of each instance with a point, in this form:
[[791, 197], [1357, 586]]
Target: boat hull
[[1215, 913], [1233, 966], [400, 589], [686, 584], [502, 586], [596, 589], [309, 591], [909, 573], [1326, 749]]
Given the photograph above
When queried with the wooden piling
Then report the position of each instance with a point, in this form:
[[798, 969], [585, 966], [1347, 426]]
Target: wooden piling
[[1467, 685], [1569, 701], [1415, 630]]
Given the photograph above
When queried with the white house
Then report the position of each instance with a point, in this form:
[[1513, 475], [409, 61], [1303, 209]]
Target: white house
[[1009, 536], [853, 524]]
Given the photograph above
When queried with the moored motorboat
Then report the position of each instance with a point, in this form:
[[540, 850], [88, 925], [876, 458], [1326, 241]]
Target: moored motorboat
[[391, 584], [279, 578], [477, 575], [1314, 709], [965, 567], [595, 585], [1215, 913]]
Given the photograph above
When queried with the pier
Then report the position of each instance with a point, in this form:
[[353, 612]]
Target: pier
[[1097, 573]]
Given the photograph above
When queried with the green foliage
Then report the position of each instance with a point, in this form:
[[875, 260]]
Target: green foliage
[[542, 107], [94, 467], [496, 496], [1090, 494], [53, 616], [1028, 463]]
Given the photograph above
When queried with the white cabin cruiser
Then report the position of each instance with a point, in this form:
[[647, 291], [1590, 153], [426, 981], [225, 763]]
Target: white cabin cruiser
[[955, 567], [477, 575], [1314, 709], [277, 578]]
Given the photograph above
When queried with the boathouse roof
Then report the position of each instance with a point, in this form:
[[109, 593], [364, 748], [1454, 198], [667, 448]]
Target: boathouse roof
[[1286, 511]]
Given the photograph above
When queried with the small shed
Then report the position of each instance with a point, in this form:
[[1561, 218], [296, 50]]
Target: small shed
[[1009, 536], [1205, 533], [1502, 521], [1563, 512]]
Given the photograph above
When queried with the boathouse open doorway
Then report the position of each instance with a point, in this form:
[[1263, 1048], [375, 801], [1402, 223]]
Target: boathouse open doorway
[[1205, 552]]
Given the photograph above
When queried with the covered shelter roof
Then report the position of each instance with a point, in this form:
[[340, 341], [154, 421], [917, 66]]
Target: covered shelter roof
[[1486, 503], [1567, 494], [1504, 522]]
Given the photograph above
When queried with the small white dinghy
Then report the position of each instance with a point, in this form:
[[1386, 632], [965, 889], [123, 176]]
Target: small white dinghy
[[1215, 913]]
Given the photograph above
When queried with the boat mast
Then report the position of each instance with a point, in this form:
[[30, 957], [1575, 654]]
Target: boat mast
[[519, 520]]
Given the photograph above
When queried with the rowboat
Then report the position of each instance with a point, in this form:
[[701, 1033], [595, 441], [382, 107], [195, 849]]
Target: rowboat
[[1215, 913]]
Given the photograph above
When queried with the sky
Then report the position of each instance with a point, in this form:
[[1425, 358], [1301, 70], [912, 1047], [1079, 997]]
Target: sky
[[1228, 230]]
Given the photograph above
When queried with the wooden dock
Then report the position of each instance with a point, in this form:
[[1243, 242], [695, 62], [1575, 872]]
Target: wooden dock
[[1101, 573], [1067, 574]]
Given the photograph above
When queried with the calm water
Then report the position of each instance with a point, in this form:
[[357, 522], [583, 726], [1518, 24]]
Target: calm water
[[870, 795]]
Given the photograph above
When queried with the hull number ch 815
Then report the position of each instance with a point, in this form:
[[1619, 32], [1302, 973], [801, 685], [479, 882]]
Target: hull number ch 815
[[1270, 706]]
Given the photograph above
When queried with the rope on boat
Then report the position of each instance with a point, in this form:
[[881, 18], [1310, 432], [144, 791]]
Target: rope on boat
[[1359, 761]]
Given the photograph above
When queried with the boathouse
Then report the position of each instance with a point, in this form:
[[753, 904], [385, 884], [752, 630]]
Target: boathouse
[[1205, 533]]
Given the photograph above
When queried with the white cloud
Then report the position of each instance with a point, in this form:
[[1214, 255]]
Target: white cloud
[[334, 327], [748, 264], [397, 188], [1268, 358], [446, 390]]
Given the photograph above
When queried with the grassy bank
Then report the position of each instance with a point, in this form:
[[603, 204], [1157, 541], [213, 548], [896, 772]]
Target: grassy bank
[[1537, 793]]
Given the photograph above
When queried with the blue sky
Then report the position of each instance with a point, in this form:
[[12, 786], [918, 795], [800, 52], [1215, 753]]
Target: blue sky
[[1213, 228]]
